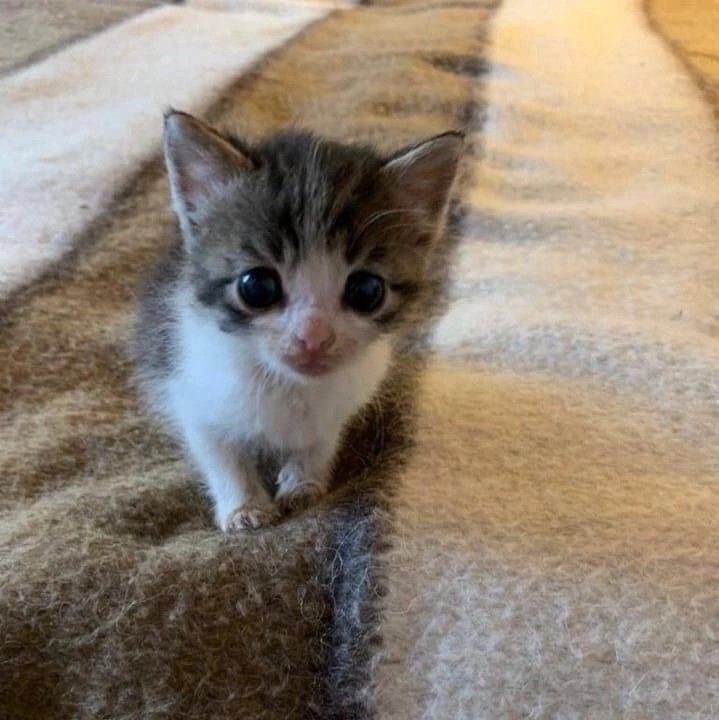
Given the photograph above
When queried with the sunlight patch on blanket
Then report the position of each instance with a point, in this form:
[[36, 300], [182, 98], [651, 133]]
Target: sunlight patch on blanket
[[559, 514]]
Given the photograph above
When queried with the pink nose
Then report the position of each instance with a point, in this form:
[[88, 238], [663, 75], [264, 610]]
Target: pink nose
[[315, 337]]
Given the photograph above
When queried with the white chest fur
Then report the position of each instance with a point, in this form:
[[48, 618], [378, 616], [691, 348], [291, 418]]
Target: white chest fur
[[218, 386]]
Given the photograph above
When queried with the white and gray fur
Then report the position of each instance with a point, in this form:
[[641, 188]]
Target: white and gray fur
[[313, 211]]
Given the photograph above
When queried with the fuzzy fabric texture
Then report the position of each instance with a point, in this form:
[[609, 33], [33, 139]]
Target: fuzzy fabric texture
[[557, 526], [32, 31], [526, 527], [118, 597], [90, 143]]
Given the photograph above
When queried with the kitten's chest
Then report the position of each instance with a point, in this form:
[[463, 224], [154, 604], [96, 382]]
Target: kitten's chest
[[296, 417], [247, 406], [220, 388]]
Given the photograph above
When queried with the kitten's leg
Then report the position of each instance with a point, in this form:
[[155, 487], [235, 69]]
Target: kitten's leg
[[305, 476], [240, 499]]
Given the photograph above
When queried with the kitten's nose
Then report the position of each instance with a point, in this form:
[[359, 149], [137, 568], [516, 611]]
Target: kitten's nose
[[315, 337]]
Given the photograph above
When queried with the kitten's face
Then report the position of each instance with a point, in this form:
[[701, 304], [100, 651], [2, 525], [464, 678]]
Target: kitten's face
[[325, 311], [306, 251]]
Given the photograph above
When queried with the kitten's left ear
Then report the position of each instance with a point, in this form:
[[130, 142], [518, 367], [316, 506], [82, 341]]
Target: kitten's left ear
[[422, 175], [199, 162]]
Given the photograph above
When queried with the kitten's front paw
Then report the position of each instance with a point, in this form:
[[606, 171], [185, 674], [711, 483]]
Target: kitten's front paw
[[294, 493], [251, 516], [299, 497]]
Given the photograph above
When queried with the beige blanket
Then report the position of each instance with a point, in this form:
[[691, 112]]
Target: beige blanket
[[527, 529]]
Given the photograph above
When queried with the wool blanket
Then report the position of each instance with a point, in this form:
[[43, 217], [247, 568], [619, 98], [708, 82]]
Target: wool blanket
[[525, 524]]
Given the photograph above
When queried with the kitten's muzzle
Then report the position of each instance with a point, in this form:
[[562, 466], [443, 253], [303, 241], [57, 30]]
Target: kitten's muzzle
[[310, 363], [313, 368], [314, 337], [311, 346]]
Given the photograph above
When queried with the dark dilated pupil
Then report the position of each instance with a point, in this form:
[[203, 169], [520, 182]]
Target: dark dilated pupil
[[364, 291], [260, 287]]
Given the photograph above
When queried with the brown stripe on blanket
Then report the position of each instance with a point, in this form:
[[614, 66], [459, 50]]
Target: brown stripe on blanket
[[118, 598], [33, 31]]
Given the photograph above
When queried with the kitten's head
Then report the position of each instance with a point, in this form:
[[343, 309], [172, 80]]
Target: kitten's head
[[307, 250]]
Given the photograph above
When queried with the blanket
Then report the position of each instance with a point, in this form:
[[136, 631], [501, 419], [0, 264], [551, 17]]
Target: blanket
[[524, 524]]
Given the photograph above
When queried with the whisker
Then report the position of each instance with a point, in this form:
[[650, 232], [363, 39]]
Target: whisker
[[374, 217], [427, 226]]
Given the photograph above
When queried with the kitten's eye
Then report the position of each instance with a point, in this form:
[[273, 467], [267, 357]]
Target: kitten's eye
[[364, 291], [260, 287]]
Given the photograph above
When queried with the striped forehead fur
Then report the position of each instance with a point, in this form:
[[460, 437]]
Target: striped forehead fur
[[309, 196]]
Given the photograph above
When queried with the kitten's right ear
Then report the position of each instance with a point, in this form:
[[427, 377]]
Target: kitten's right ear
[[199, 163]]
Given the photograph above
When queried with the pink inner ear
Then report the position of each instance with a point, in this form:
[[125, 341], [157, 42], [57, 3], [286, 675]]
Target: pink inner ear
[[423, 175], [201, 169], [199, 158]]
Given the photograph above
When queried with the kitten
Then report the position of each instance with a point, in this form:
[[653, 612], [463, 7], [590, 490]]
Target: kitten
[[299, 265]]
